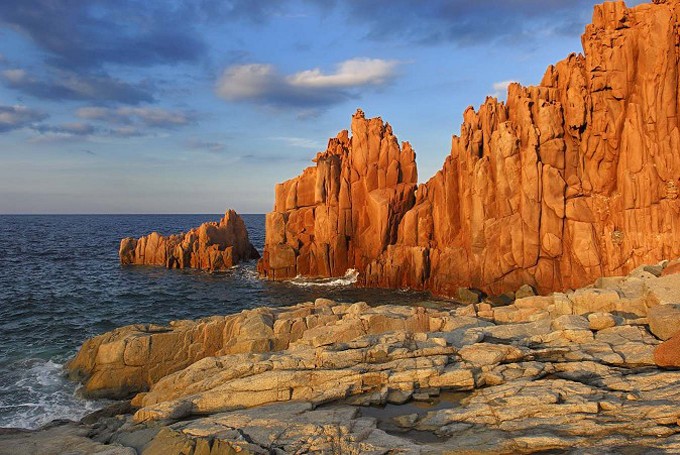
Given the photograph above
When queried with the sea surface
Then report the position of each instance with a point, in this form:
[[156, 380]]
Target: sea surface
[[61, 283]]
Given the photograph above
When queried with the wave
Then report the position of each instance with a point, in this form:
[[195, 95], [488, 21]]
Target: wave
[[351, 276], [38, 394]]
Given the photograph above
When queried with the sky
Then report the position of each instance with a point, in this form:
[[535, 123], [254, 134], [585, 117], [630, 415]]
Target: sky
[[195, 106]]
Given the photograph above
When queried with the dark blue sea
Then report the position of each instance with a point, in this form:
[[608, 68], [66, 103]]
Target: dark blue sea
[[61, 283]]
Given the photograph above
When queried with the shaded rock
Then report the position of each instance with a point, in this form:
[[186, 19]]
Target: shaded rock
[[212, 247], [524, 291], [469, 296], [57, 439], [280, 429], [664, 290], [601, 321], [664, 321]]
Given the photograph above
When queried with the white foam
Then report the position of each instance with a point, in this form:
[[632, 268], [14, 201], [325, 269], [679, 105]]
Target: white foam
[[350, 278], [39, 395]]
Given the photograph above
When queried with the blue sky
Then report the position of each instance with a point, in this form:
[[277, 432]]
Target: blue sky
[[193, 106]]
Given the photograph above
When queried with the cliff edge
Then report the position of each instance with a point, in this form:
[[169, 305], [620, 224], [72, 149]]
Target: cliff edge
[[567, 181]]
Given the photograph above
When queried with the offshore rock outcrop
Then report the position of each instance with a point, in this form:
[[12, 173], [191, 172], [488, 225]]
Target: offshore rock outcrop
[[211, 246], [567, 181]]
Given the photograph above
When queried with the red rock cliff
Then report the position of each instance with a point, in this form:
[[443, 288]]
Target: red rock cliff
[[343, 212], [567, 181], [211, 246]]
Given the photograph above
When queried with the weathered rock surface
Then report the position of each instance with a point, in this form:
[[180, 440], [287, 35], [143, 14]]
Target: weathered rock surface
[[132, 358], [567, 181], [667, 354], [569, 371], [553, 383], [664, 321], [211, 246], [344, 212], [57, 439]]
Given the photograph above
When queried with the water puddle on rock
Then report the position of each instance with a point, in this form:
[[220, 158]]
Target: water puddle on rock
[[389, 414]]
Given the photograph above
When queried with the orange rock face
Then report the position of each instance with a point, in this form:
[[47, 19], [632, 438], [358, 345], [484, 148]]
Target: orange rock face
[[345, 211], [667, 354], [211, 246], [565, 182]]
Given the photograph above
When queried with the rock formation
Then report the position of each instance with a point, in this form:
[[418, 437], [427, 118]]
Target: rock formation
[[345, 211], [211, 246], [571, 372], [567, 181]]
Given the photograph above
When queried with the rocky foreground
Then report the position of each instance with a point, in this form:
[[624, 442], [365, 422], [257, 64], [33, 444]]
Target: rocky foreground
[[211, 246], [586, 371]]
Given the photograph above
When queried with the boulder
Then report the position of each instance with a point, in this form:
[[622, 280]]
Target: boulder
[[667, 354], [664, 321], [601, 321]]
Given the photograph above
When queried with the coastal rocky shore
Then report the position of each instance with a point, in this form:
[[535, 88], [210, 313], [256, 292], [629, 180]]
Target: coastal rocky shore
[[590, 369], [562, 183], [549, 226], [211, 246]]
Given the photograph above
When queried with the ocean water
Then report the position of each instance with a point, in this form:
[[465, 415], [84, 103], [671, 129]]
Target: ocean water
[[61, 283]]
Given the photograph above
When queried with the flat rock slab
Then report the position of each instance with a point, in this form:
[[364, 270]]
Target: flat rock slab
[[59, 439]]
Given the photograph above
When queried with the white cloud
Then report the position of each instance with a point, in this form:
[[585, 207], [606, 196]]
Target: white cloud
[[263, 84], [93, 113], [16, 117], [350, 73], [247, 81], [300, 142], [14, 76], [500, 89]]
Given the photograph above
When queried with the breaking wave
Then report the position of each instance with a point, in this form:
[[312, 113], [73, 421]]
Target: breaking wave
[[38, 394], [350, 278]]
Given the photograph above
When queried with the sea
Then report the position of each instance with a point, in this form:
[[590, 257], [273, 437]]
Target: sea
[[61, 283]]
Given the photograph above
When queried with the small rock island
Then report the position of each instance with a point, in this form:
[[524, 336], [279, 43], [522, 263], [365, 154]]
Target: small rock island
[[211, 246]]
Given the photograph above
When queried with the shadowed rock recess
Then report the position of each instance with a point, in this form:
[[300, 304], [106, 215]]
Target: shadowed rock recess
[[567, 181], [211, 246]]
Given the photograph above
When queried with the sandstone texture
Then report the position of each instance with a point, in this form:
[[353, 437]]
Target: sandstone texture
[[573, 372], [211, 246], [567, 181]]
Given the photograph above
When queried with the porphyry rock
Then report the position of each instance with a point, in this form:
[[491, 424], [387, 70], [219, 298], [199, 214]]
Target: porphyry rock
[[664, 321], [211, 246], [667, 354], [564, 182], [131, 359], [281, 380]]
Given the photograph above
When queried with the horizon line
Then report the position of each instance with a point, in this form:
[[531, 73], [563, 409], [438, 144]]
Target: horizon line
[[121, 213]]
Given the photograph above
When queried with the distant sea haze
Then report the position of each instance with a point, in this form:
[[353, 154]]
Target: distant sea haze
[[61, 283]]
